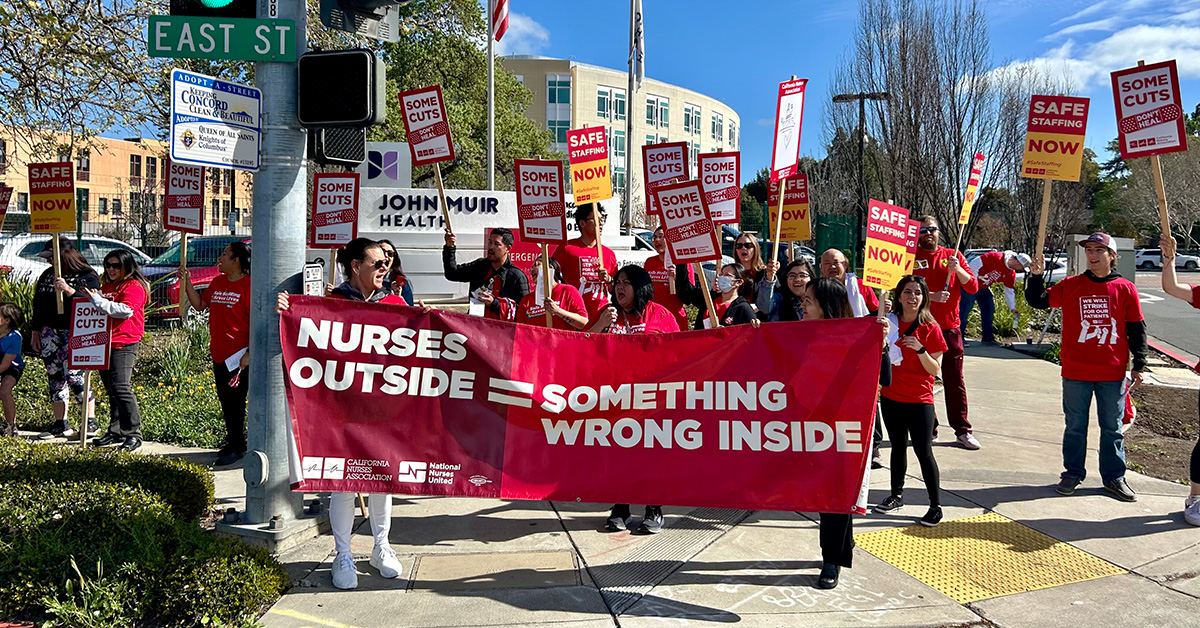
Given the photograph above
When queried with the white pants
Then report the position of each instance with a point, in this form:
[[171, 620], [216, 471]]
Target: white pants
[[341, 518]]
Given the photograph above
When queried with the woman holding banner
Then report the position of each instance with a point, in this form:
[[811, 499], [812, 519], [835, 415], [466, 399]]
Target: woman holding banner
[[364, 266], [734, 287], [908, 402], [665, 274], [1189, 294], [51, 337], [397, 282], [633, 311], [788, 303], [822, 299], [565, 303]]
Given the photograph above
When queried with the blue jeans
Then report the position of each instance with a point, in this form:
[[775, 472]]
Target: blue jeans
[[1110, 407], [987, 310]]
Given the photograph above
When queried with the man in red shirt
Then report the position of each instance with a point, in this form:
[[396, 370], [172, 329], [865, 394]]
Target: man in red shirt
[[1102, 328], [947, 273], [990, 268], [581, 267]]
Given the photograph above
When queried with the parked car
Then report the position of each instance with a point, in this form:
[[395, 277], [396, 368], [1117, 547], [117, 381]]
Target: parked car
[[202, 254], [19, 253], [1149, 259]]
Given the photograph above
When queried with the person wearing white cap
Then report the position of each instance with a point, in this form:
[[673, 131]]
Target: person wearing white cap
[[1103, 328], [989, 268], [1189, 294]]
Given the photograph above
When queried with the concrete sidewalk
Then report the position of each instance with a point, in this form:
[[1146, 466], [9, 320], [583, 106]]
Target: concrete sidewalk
[[490, 563]]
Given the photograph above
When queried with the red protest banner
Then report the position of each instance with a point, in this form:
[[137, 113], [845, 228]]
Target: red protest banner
[[686, 223], [663, 164], [427, 125], [1150, 118], [89, 345], [789, 113], [442, 407], [541, 204], [889, 236], [183, 204], [334, 210], [719, 177], [587, 152]]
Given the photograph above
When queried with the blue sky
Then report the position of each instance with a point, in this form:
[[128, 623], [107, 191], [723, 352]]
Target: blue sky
[[739, 52]]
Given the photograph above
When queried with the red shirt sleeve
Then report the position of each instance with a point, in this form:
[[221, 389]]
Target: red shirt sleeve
[[971, 287], [1133, 305], [933, 340], [572, 301], [659, 320]]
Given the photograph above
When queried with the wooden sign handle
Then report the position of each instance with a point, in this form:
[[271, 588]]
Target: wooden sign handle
[[332, 265], [778, 219], [1041, 237], [437, 172], [546, 282], [1160, 191], [708, 300], [183, 242]]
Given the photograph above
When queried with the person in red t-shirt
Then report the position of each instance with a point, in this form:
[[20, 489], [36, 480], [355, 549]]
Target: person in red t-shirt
[[947, 274], [1102, 327], [989, 268], [633, 311], [227, 300], [908, 402], [123, 297], [1189, 294], [664, 274], [580, 265], [565, 303]]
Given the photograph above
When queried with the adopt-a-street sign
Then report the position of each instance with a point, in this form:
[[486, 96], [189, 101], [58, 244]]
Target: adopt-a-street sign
[[214, 122], [242, 39]]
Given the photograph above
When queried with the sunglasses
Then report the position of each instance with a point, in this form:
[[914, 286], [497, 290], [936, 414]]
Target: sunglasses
[[745, 245], [929, 229], [379, 264], [116, 266]]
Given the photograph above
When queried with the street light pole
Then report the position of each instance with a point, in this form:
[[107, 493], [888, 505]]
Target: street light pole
[[860, 214]]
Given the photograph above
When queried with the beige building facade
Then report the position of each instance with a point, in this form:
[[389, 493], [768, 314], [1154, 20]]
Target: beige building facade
[[122, 180], [571, 95]]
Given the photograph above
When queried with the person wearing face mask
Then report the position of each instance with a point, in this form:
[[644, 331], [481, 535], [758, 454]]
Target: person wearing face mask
[[664, 274], [826, 298], [564, 303], [788, 303], [580, 265], [498, 283], [365, 266], [908, 402], [734, 286], [633, 311]]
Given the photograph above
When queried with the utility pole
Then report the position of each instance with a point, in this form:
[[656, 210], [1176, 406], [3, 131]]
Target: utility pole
[[491, 97], [278, 225], [860, 214]]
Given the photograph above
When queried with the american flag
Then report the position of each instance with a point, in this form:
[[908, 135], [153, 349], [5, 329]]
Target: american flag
[[500, 19]]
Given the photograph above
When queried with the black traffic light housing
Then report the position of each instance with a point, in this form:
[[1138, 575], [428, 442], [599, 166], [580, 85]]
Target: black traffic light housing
[[377, 19], [341, 146], [340, 88], [215, 8]]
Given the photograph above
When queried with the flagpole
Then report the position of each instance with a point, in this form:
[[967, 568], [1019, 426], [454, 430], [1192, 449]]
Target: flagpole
[[629, 109], [491, 96]]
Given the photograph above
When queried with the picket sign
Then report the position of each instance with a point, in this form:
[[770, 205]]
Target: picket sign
[[89, 348], [591, 178], [964, 216], [784, 160], [1054, 137], [427, 128], [52, 206]]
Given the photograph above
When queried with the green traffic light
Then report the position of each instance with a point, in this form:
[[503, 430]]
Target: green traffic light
[[216, 4]]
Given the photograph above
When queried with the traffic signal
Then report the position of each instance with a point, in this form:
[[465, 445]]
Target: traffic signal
[[215, 8], [341, 146], [340, 88], [377, 19]]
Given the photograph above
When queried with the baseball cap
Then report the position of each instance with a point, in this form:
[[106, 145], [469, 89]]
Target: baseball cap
[[1021, 257], [1101, 238], [48, 250]]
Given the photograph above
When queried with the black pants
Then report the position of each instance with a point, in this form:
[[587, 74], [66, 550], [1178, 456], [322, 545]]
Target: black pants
[[1196, 462], [837, 539], [233, 405], [877, 437], [913, 421], [124, 417]]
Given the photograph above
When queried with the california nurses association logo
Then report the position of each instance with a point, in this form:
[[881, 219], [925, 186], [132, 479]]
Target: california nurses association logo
[[188, 139]]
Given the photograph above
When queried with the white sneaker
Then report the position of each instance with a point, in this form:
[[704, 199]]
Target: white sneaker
[[967, 441], [1191, 510], [344, 575], [383, 558]]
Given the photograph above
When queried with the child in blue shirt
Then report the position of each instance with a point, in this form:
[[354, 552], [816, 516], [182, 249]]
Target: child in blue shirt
[[12, 365]]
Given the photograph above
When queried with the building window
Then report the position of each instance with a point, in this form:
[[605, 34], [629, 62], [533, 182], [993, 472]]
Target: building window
[[216, 212], [718, 127], [616, 154], [135, 170], [102, 206], [82, 198], [22, 202], [225, 207], [558, 89], [657, 109], [691, 119], [733, 134], [693, 153], [3, 156], [610, 103], [228, 181], [151, 169], [83, 166], [116, 207], [520, 78], [559, 129]]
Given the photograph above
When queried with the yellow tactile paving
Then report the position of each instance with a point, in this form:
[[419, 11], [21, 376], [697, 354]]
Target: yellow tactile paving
[[984, 556]]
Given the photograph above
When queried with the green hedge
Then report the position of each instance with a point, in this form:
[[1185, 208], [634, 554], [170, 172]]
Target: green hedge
[[185, 488]]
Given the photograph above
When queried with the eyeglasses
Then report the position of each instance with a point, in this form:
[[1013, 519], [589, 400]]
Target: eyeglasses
[[745, 245], [929, 229], [379, 264], [798, 276], [116, 266], [389, 253]]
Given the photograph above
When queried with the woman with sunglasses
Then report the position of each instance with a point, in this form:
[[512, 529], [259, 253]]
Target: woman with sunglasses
[[633, 311], [763, 273], [123, 295], [664, 274], [364, 266], [908, 402], [788, 303], [567, 310], [396, 281]]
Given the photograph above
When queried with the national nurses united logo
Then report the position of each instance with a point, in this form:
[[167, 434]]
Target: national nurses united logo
[[188, 139], [385, 163]]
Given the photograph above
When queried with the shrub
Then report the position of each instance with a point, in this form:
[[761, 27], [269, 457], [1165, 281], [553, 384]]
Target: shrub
[[187, 489], [225, 581], [182, 411]]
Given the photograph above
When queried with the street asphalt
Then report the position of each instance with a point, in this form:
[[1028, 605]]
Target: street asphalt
[[1168, 319]]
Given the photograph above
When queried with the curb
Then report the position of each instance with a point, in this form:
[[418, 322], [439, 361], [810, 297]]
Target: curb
[[1173, 353]]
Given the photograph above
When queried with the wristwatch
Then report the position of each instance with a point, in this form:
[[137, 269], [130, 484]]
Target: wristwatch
[[921, 350]]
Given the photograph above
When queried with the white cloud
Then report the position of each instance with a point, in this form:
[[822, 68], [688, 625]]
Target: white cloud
[[1107, 24], [523, 37], [1090, 10]]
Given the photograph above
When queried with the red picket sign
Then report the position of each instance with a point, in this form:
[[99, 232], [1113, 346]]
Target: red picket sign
[[90, 336], [720, 174], [541, 205], [1150, 118], [334, 210], [183, 203], [663, 164], [687, 224], [426, 125], [448, 404]]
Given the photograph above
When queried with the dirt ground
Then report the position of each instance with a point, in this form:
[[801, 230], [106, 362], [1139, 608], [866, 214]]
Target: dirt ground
[[1160, 442]]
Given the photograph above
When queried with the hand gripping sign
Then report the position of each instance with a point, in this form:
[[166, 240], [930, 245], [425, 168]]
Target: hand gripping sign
[[426, 125], [183, 204], [541, 208], [797, 222], [686, 223], [1150, 118], [663, 164], [587, 152], [719, 177], [888, 238], [90, 339], [1054, 138], [334, 210]]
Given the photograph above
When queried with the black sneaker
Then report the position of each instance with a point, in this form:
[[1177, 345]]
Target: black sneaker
[[108, 439], [933, 517], [653, 522], [619, 519], [1119, 488], [829, 576], [876, 460], [892, 503], [1067, 484]]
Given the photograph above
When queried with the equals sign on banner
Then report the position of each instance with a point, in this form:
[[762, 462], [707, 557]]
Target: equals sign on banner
[[499, 390]]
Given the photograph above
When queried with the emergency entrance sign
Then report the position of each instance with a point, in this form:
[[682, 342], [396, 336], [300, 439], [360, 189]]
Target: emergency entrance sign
[[52, 197], [1054, 138], [1149, 110]]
